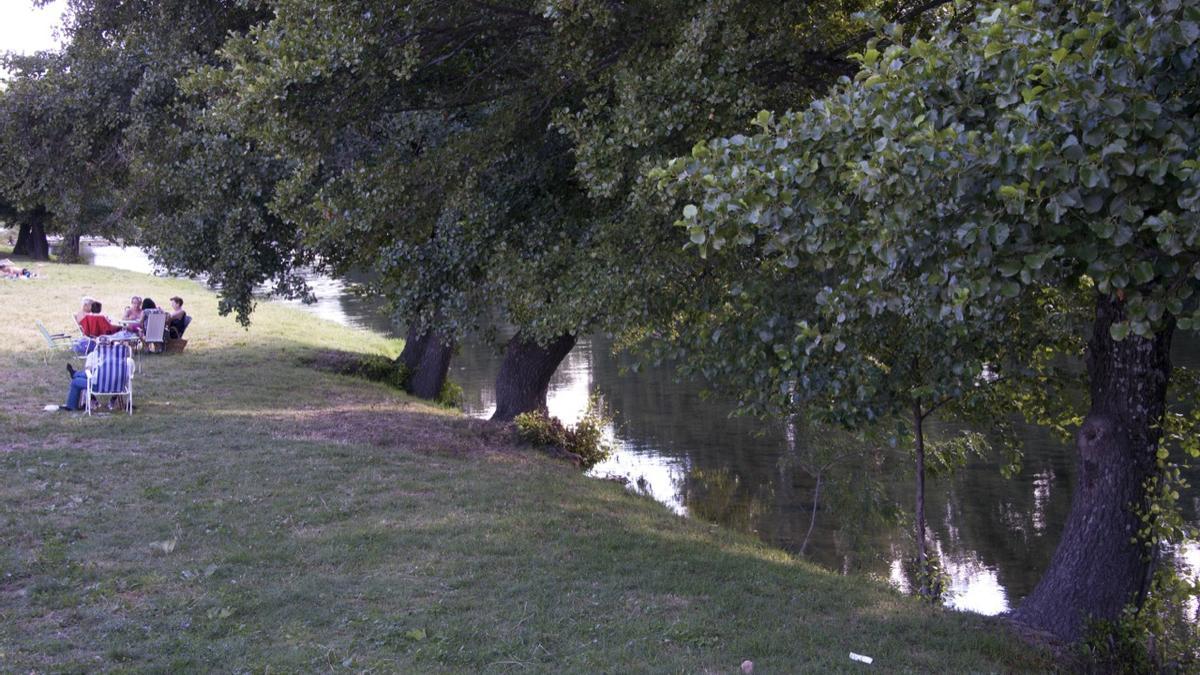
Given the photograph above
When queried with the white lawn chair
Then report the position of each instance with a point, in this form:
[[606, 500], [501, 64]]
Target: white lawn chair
[[156, 328], [55, 342], [112, 375]]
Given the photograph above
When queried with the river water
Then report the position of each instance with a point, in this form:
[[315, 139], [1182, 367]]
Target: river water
[[994, 535]]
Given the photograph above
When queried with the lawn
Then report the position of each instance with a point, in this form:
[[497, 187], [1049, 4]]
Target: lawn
[[255, 514]]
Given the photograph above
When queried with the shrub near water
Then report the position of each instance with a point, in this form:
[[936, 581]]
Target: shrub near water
[[586, 439]]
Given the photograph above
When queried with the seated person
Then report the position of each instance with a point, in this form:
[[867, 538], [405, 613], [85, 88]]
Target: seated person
[[96, 324], [79, 382], [78, 385], [176, 317], [150, 309], [85, 309], [134, 311]]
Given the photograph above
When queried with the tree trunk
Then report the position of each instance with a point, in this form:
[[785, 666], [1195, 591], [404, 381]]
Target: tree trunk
[[31, 237], [68, 250], [812, 517], [525, 375], [923, 587], [427, 358], [1098, 568]]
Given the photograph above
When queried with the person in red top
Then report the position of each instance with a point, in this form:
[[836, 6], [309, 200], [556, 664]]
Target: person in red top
[[96, 324]]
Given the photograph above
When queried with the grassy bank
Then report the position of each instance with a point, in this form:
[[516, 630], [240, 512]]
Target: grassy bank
[[256, 515]]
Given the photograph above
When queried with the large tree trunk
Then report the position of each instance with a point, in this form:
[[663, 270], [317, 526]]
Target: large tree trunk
[[1097, 568], [525, 375], [427, 357], [31, 237], [68, 250]]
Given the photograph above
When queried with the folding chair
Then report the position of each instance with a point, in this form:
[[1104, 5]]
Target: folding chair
[[112, 375], [155, 329], [55, 342]]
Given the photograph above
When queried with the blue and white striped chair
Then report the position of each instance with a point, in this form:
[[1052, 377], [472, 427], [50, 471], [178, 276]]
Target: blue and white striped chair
[[111, 375]]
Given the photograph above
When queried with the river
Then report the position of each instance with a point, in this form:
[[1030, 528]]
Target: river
[[994, 535]]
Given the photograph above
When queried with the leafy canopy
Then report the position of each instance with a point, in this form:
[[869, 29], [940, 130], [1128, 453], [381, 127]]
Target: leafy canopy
[[962, 181]]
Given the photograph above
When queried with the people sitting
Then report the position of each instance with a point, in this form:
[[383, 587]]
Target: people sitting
[[176, 318], [85, 309], [96, 324], [148, 307], [78, 386], [134, 311]]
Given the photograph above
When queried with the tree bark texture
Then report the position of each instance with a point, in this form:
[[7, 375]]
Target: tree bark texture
[[31, 237], [1097, 569], [525, 374], [68, 250], [427, 357]]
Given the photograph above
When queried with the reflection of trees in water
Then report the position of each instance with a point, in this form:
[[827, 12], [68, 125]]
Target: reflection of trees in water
[[1008, 525], [748, 474], [1011, 526]]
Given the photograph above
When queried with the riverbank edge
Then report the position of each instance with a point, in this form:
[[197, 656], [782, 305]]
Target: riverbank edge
[[790, 596]]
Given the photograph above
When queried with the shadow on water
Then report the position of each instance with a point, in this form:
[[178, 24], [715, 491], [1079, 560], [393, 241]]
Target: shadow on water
[[994, 535]]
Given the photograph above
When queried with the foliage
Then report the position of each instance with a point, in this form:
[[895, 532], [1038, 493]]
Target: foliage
[[1042, 173], [59, 126], [929, 208], [1160, 636], [586, 440], [379, 368], [477, 158], [929, 576]]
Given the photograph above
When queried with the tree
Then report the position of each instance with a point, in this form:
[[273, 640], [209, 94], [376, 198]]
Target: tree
[[191, 190], [959, 179], [485, 126]]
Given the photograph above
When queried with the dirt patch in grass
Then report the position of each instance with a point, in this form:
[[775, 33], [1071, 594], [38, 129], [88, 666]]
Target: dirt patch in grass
[[351, 418]]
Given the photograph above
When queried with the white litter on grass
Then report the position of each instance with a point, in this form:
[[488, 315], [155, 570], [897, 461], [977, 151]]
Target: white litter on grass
[[51, 406], [860, 658]]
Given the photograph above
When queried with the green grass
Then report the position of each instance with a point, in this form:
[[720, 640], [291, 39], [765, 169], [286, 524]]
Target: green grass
[[256, 515]]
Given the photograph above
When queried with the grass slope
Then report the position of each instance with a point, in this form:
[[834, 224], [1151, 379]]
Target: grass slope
[[255, 515]]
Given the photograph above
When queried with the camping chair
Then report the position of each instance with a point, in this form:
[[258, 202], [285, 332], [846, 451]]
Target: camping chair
[[55, 342], [112, 375], [176, 342], [155, 330]]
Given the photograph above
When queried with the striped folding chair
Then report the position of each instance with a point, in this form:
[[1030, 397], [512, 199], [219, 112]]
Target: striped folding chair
[[112, 374]]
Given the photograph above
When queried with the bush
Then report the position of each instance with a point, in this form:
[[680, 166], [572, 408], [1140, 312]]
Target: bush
[[378, 368], [586, 440]]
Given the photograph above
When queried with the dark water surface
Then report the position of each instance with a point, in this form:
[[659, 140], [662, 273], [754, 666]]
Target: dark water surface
[[995, 535]]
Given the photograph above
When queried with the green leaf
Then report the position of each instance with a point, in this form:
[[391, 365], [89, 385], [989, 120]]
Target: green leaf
[[1119, 331], [1143, 272]]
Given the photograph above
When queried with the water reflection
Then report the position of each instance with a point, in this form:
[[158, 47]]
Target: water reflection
[[994, 536]]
